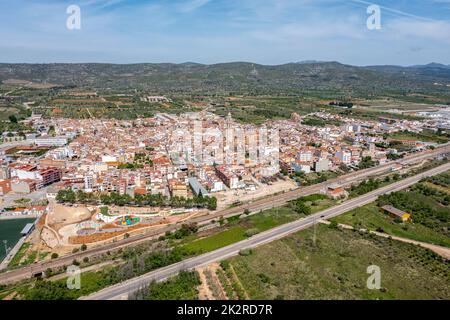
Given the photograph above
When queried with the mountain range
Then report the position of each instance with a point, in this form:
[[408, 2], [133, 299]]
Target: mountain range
[[237, 77]]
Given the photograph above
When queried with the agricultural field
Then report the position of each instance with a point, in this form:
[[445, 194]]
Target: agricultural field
[[10, 117], [428, 203], [371, 218], [258, 109], [366, 114], [335, 267], [318, 122], [425, 136]]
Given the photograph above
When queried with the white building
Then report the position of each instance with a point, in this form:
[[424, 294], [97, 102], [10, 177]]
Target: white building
[[344, 156], [305, 155], [51, 141]]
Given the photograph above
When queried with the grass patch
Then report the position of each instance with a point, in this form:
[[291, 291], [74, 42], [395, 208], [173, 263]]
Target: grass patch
[[237, 230], [222, 239], [336, 268], [425, 136], [181, 287], [19, 255], [369, 217]]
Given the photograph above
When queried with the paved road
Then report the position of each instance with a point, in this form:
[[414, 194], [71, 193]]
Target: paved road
[[262, 204], [122, 290]]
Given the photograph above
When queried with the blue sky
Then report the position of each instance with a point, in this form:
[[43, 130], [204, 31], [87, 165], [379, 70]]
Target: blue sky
[[212, 31]]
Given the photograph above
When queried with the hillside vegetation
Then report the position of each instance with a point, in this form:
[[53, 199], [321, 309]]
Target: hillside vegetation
[[322, 79]]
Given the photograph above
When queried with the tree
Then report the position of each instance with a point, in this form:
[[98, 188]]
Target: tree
[[66, 196], [333, 225], [83, 247], [301, 208], [13, 118], [81, 196], [367, 162], [212, 203]]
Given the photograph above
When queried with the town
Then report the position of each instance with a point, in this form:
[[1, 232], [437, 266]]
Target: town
[[97, 180]]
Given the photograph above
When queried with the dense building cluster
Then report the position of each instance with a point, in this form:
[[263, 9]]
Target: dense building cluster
[[191, 154]]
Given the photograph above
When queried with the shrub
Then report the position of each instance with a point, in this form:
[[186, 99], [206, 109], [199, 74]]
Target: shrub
[[251, 232], [245, 252], [333, 225], [225, 264], [264, 278]]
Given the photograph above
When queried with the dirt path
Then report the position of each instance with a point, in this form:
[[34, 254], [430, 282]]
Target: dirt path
[[236, 278], [442, 251], [204, 292], [213, 268]]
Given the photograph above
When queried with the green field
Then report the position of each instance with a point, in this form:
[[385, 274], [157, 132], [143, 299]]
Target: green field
[[236, 230], [427, 201], [335, 267], [222, 239], [10, 231], [369, 217], [318, 122], [425, 136]]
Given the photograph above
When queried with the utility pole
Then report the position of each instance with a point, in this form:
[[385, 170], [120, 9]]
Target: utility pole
[[314, 234]]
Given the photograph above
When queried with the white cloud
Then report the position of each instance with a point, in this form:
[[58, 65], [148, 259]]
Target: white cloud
[[192, 5], [430, 30]]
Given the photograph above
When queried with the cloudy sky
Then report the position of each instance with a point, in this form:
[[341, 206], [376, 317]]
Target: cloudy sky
[[212, 31]]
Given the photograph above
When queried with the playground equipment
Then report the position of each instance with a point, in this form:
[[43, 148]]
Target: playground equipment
[[127, 221]]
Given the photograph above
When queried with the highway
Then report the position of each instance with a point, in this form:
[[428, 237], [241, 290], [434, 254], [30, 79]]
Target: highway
[[122, 290], [255, 206]]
